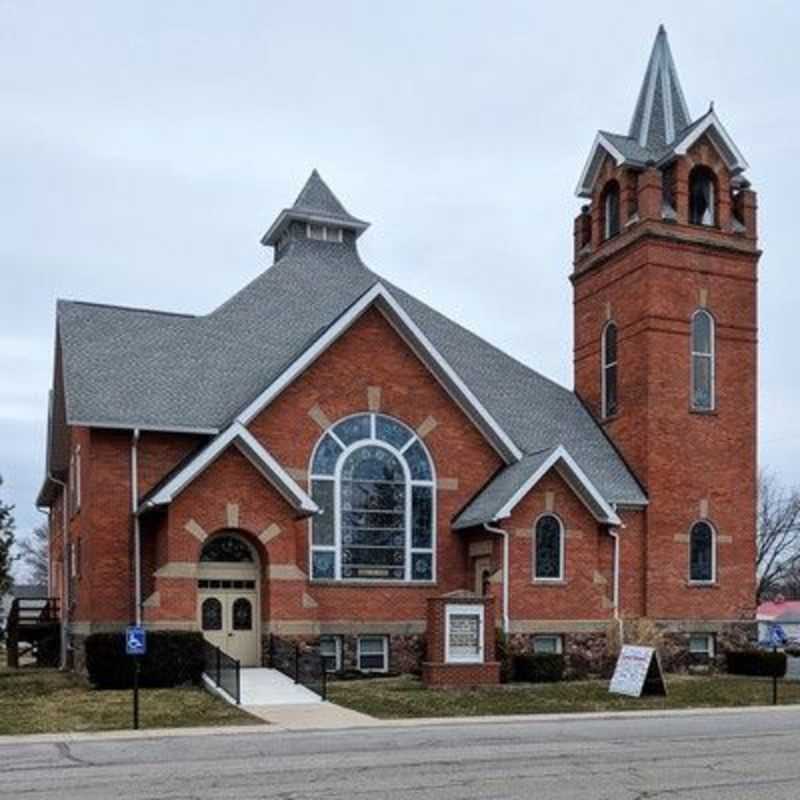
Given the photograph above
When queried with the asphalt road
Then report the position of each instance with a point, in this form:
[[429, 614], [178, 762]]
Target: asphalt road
[[731, 756]]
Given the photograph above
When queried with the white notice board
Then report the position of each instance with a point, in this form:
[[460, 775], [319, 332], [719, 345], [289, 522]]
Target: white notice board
[[638, 672]]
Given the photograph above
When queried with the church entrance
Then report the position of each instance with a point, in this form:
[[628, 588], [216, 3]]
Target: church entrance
[[228, 597]]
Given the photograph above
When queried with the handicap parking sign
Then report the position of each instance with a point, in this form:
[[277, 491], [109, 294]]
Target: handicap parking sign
[[777, 636], [135, 641]]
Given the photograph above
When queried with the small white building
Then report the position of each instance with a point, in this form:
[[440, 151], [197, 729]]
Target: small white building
[[785, 613]]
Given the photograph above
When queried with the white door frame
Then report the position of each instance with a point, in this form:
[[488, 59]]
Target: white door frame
[[236, 571]]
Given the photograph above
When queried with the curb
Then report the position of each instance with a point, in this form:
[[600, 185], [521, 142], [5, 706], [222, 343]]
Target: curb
[[375, 724]]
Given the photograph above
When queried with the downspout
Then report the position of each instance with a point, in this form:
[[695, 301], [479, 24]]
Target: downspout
[[614, 534], [506, 575], [65, 598], [137, 539]]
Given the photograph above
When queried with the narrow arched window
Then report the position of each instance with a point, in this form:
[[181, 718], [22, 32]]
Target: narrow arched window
[[702, 197], [702, 553], [608, 347], [703, 358], [548, 554], [373, 480], [611, 224]]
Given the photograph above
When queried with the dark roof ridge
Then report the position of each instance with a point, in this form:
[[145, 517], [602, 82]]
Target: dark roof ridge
[[61, 301]]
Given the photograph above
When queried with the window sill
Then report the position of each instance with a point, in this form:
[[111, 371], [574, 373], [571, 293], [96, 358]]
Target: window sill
[[554, 582], [702, 584], [366, 582], [701, 412]]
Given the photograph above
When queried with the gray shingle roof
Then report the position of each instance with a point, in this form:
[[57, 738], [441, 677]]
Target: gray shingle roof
[[661, 111], [129, 367], [485, 506]]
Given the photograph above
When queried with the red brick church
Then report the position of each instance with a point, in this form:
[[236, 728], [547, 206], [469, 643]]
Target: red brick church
[[323, 453]]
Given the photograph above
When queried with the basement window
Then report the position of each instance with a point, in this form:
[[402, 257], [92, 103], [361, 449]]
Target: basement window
[[330, 648], [547, 643], [373, 653], [702, 645]]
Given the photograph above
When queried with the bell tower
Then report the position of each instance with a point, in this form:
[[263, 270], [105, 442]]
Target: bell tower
[[665, 326]]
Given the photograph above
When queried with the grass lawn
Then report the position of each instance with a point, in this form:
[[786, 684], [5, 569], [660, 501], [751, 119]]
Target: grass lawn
[[49, 701], [394, 698]]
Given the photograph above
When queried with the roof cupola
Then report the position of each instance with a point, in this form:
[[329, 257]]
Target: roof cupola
[[316, 214]]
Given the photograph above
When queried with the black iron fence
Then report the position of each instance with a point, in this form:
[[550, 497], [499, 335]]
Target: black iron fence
[[224, 671], [301, 662]]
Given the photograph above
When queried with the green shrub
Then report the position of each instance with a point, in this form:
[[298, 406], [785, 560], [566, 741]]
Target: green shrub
[[756, 662], [538, 668], [173, 658]]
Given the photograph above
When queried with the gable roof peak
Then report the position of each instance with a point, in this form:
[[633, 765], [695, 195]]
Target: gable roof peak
[[661, 111]]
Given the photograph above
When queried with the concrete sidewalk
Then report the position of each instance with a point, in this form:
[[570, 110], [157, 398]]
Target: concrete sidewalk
[[307, 716], [296, 718]]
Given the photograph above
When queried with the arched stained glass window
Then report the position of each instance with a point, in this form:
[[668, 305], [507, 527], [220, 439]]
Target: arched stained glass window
[[703, 358], [226, 549], [373, 480], [608, 347], [242, 614], [548, 556], [211, 614], [702, 553]]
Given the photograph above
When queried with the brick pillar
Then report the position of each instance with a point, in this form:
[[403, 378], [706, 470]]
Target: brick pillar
[[650, 194]]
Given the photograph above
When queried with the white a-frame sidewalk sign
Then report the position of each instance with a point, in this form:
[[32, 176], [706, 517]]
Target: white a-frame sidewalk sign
[[638, 673]]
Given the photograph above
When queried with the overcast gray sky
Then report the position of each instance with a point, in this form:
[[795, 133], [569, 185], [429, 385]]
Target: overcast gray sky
[[145, 147]]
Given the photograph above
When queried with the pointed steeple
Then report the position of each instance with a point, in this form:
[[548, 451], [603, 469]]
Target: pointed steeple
[[316, 196], [661, 112], [317, 206]]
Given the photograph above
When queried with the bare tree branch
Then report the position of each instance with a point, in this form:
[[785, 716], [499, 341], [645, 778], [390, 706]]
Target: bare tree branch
[[778, 551]]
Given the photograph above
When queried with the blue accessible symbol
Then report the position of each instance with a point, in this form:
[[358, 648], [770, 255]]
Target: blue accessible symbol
[[135, 641], [777, 636]]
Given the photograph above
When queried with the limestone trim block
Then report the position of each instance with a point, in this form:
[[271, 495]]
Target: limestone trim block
[[704, 509], [374, 398], [285, 572], [269, 533], [477, 549], [549, 501], [232, 515], [154, 601], [309, 601], [496, 577], [320, 417], [177, 569], [426, 426], [298, 473], [196, 530], [574, 534], [447, 484], [599, 578], [724, 538], [682, 538]]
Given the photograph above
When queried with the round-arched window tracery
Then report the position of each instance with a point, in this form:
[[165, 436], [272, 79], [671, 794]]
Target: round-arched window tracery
[[373, 480]]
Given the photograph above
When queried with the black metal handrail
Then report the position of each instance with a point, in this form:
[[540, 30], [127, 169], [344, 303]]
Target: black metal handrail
[[301, 662], [224, 671]]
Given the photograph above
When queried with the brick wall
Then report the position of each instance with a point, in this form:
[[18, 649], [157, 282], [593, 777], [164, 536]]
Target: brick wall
[[650, 280]]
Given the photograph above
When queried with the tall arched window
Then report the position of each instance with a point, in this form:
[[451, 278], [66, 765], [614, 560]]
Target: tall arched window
[[703, 358], [702, 553], [608, 347], [611, 223], [548, 549], [373, 480], [702, 197]]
